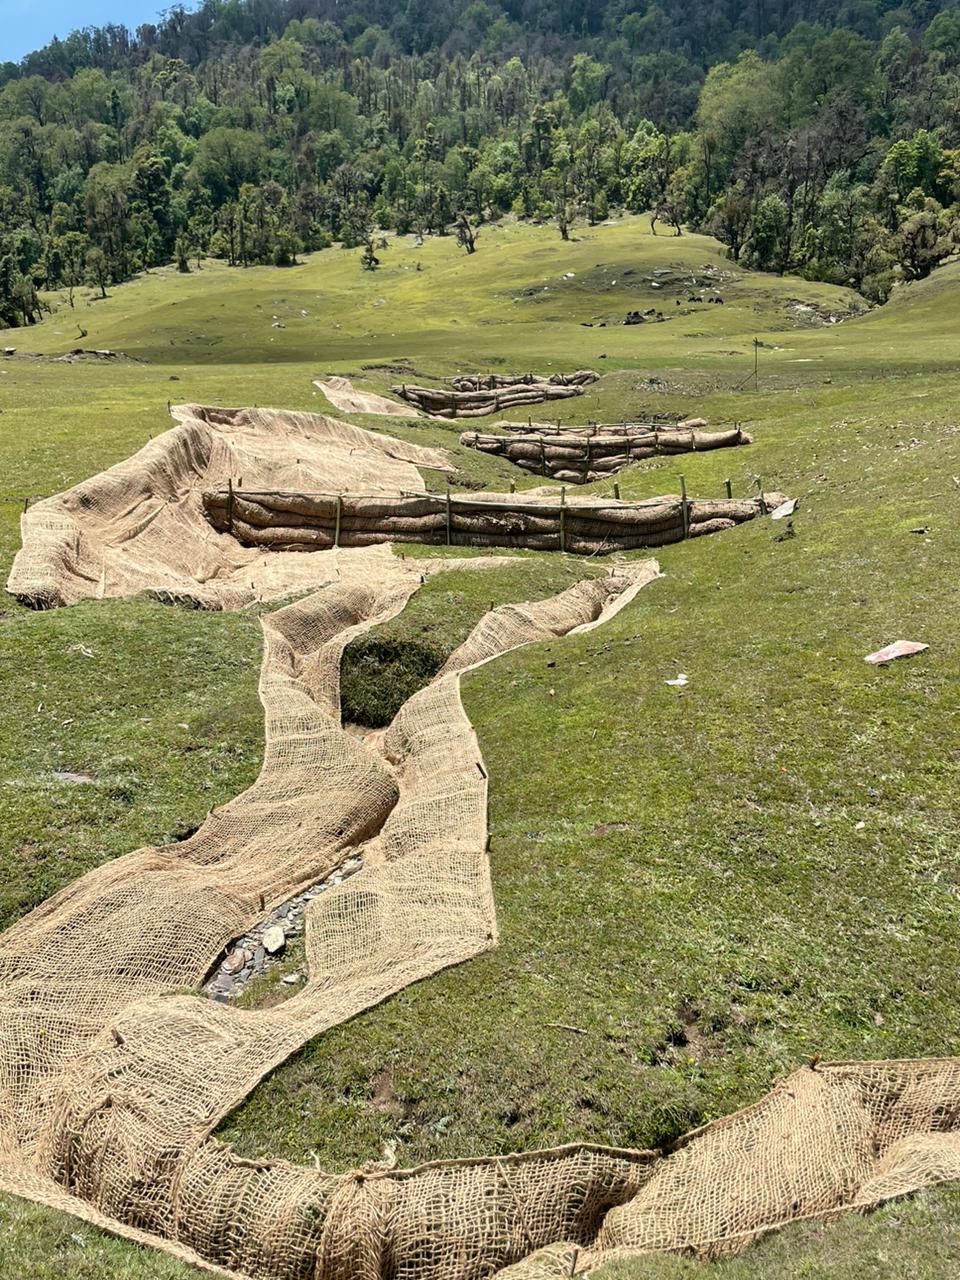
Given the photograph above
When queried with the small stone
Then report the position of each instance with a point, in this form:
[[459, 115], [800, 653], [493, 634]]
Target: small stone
[[226, 985], [290, 978], [258, 957], [245, 974], [274, 939], [233, 963]]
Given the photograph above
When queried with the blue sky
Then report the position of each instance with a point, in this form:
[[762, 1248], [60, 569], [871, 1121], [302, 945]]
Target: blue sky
[[26, 25]]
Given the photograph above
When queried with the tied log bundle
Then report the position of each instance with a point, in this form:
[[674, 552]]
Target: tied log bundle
[[478, 395], [493, 381], [585, 455], [310, 522]]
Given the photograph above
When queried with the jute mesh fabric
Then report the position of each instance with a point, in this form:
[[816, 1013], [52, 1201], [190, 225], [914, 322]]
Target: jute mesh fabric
[[838, 1138], [343, 395], [139, 526], [115, 1071]]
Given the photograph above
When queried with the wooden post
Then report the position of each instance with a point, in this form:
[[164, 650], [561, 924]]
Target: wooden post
[[448, 511], [26, 503], [543, 458], [336, 531], [763, 505], [729, 488], [684, 509], [230, 505], [563, 523], [513, 486], [616, 492]]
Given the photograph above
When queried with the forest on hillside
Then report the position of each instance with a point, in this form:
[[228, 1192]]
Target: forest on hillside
[[809, 136]]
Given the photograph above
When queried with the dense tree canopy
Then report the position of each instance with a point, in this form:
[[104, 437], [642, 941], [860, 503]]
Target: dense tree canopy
[[807, 135]]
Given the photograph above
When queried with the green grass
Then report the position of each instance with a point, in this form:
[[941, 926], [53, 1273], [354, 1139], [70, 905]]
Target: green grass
[[156, 719], [681, 874], [44, 1245]]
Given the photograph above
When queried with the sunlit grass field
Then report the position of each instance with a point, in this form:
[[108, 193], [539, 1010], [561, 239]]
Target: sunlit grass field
[[712, 884]]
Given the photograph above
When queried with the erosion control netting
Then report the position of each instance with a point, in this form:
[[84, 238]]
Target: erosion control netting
[[343, 395], [139, 526], [114, 1073], [477, 395], [589, 454]]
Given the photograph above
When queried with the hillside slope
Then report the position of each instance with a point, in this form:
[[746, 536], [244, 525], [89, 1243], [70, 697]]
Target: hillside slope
[[697, 888]]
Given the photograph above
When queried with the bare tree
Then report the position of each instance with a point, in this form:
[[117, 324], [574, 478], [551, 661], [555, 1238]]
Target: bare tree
[[466, 235]]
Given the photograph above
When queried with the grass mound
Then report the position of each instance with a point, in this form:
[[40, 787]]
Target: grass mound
[[380, 673]]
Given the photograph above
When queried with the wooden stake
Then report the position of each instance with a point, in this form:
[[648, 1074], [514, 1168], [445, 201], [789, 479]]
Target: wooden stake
[[336, 531], [616, 492], [763, 505], [563, 520], [684, 509], [448, 511], [729, 488], [230, 505]]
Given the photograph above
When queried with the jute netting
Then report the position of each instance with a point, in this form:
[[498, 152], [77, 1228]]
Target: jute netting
[[139, 526], [115, 1072]]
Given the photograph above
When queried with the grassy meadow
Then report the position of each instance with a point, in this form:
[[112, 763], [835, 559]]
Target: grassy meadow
[[710, 884]]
